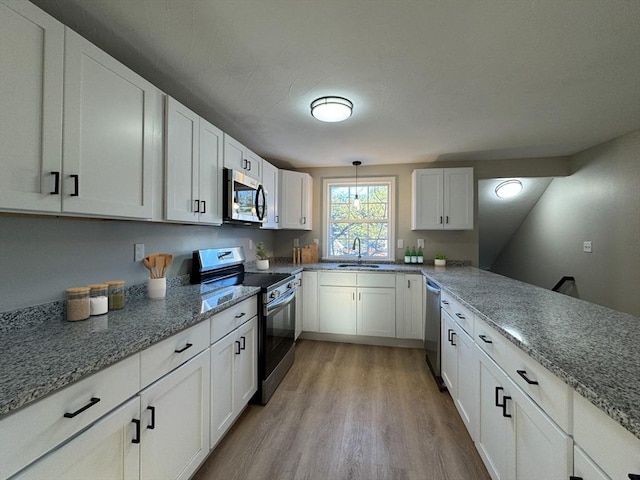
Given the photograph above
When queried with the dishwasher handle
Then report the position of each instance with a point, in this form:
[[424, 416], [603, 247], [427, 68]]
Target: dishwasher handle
[[433, 288]]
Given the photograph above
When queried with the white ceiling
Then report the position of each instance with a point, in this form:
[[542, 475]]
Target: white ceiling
[[458, 79]]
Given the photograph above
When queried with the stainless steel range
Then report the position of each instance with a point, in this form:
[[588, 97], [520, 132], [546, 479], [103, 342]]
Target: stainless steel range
[[218, 268]]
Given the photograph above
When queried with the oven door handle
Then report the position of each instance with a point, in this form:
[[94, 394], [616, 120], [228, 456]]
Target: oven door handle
[[281, 301]]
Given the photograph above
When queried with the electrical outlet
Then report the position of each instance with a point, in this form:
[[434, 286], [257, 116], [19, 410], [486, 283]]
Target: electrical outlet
[[400, 243], [316, 241], [250, 244], [296, 242], [587, 246], [138, 252], [421, 243]]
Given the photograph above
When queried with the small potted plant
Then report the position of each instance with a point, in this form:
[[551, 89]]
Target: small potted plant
[[440, 260], [262, 256]]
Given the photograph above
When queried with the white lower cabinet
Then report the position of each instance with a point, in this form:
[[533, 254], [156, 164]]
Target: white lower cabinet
[[234, 376], [515, 438], [310, 321], [299, 305], [449, 355], [110, 449], [175, 421], [337, 309], [410, 305], [376, 312]]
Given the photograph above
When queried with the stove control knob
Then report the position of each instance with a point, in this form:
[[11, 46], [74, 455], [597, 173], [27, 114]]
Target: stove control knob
[[275, 294]]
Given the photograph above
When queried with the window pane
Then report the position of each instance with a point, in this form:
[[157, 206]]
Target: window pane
[[339, 194]]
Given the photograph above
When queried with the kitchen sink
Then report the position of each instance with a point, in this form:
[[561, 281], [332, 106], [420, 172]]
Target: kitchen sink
[[357, 265]]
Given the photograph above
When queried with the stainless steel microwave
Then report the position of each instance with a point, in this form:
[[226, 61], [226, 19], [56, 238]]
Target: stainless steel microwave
[[245, 201]]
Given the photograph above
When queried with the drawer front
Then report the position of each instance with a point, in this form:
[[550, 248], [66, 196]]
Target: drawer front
[[377, 280], [230, 319], [33, 431], [611, 446], [544, 388], [489, 340], [460, 314], [338, 279], [172, 352]]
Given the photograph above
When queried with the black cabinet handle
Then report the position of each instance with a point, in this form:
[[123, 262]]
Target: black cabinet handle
[[136, 439], [504, 407], [244, 343], [56, 183], [91, 403], [523, 374], [440, 219], [575, 478], [634, 476], [188, 345], [444, 302], [447, 218], [76, 185], [461, 316], [498, 390], [152, 425], [238, 347], [196, 208], [240, 315], [449, 331], [204, 206], [485, 339], [452, 339]]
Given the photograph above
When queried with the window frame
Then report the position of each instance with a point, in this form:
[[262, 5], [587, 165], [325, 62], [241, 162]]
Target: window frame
[[326, 220]]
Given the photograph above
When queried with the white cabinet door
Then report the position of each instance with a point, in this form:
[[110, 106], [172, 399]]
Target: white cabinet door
[[108, 147], [246, 364], [182, 135], [210, 174], [294, 207], [310, 319], [337, 308], [584, 468], [31, 55], [299, 305], [175, 421], [270, 183], [410, 303], [110, 449], [466, 400], [376, 309], [458, 198], [442, 199], [449, 354], [240, 158], [222, 394], [254, 165]]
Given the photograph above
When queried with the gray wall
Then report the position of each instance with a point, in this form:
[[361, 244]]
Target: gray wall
[[41, 256], [599, 201]]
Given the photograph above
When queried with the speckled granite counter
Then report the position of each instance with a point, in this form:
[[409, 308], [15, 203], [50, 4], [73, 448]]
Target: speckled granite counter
[[43, 357], [594, 349]]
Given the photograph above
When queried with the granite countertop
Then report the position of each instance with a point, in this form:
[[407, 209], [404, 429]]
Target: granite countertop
[[43, 357], [592, 348]]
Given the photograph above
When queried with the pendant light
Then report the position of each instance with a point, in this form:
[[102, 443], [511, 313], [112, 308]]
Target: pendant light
[[356, 200]]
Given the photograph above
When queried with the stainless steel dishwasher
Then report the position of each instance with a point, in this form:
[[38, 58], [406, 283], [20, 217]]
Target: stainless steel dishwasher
[[432, 332]]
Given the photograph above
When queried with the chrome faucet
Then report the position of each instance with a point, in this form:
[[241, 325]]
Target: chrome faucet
[[357, 239]]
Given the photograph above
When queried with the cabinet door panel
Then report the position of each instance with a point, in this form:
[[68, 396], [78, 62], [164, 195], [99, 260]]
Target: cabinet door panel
[[458, 198], [377, 312], [337, 310], [270, 183], [233, 154], [468, 366], [105, 451], [109, 115], [179, 441], [222, 407], [310, 302], [427, 205], [246, 364], [449, 354], [210, 174], [31, 55]]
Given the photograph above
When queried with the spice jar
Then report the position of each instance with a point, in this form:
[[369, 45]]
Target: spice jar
[[116, 295], [98, 298], [78, 304]]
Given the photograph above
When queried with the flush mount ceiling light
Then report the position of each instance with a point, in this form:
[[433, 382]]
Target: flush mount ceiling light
[[356, 200], [509, 188], [331, 109]]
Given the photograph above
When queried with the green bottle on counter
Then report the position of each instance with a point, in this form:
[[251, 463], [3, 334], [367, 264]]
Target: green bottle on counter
[[407, 255], [414, 255], [420, 255]]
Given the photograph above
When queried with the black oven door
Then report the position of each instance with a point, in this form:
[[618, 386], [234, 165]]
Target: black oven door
[[280, 329]]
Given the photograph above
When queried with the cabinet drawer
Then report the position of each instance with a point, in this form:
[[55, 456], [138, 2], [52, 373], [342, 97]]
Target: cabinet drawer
[[377, 280], [611, 446], [172, 352], [338, 279], [230, 319], [489, 340], [33, 431], [550, 393], [462, 315]]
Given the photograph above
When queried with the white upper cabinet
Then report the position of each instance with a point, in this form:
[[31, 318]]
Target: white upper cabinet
[[110, 114], [270, 181], [442, 199], [240, 158], [193, 167], [31, 58], [295, 200]]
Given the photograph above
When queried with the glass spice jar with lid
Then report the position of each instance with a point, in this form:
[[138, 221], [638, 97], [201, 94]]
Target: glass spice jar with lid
[[98, 298], [78, 304], [116, 294]]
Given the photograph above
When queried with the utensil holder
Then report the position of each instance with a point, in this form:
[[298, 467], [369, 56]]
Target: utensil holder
[[157, 287]]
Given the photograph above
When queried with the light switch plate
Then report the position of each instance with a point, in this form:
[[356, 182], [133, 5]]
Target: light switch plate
[[587, 246], [400, 243], [421, 243], [138, 252]]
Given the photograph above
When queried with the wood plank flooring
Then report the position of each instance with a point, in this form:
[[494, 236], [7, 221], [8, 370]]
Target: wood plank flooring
[[348, 411]]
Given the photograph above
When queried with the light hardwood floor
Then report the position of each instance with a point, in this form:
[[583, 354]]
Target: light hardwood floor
[[349, 411]]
